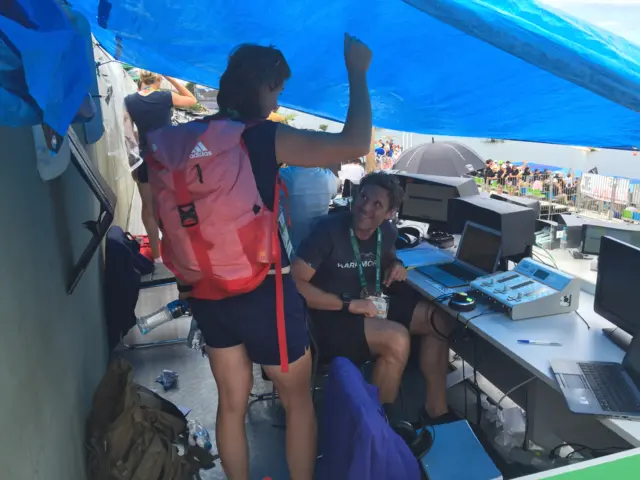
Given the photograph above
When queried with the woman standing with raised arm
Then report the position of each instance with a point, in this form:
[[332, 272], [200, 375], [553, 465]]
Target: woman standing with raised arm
[[241, 330]]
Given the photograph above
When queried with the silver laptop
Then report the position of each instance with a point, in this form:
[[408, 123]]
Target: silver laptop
[[602, 388], [478, 254]]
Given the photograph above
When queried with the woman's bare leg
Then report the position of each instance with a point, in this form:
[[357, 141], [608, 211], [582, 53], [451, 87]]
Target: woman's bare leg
[[149, 219], [233, 373], [294, 388]]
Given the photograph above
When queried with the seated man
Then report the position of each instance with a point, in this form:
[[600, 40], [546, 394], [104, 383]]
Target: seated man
[[338, 292]]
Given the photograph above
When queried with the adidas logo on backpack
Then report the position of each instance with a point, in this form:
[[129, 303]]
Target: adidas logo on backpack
[[200, 151]]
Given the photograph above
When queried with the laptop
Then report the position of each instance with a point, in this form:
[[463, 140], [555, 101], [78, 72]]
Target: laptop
[[602, 388], [478, 254]]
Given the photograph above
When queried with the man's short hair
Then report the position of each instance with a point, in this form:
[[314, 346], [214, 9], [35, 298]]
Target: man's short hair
[[388, 182]]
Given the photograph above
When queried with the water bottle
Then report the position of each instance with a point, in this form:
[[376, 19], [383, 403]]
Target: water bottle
[[198, 435], [563, 239], [171, 310], [194, 339]]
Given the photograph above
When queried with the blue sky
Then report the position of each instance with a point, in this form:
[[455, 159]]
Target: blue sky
[[618, 16]]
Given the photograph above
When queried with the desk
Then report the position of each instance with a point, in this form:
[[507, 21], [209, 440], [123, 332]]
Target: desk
[[579, 343], [577, 268]]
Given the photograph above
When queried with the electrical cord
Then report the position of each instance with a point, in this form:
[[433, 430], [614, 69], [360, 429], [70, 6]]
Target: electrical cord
[[541, 260], [582, 318], [431, 319], [548, 254], [581, 448], [475, 380], [466, 408], [510, 391], [526, 420], [435, 329], [487, 312]]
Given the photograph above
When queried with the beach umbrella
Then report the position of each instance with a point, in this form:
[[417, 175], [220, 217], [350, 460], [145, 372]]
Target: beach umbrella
[[449, 159]]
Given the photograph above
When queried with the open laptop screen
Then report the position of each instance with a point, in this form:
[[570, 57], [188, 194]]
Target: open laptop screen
[[479, 247]]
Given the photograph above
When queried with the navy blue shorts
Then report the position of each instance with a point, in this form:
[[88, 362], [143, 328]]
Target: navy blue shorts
[[340, 334], [250, 320]]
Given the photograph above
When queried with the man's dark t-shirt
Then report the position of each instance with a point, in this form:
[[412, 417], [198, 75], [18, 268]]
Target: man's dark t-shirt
[[149, 112], [329, 252]]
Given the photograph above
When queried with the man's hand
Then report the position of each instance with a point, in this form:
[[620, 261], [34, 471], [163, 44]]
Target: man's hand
[[395, 273], [363, 307]]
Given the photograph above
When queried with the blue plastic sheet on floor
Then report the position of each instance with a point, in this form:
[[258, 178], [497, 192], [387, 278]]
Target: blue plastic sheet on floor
[[44, 72], [499, 69]]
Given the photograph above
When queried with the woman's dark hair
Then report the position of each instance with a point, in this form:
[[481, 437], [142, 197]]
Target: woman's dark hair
[[390, 183], [250, 68]]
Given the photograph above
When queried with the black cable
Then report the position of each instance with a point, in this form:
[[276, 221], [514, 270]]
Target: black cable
[[433, 438], [443, 297], [582, 318], [487, 312], [466, 410], [435, 329], [99, 64], [581, 448], [526, 419], [475, 379]]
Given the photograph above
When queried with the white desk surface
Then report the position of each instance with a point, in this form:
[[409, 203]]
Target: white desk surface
[[578, 341], [577, 268]]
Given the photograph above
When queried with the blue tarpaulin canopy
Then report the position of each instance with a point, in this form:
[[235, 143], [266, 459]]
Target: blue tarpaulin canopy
[[44, 74], [499, 69]]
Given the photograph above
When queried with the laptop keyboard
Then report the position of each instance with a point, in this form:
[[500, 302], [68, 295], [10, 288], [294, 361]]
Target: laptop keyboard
[[458, 271], [610, 388]]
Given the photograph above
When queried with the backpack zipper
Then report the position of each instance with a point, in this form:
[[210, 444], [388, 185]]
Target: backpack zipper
[[199, 172]]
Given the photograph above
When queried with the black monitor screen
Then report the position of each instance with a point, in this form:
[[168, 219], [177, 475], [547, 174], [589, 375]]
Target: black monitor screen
[[591, 235], [631, 362], [425, 202], [479, 247], [617, 285]]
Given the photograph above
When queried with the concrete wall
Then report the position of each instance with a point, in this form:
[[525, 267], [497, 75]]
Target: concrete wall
[[52, 346]]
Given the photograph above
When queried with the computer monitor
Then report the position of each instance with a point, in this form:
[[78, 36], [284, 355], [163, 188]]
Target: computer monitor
[[591, 235], [532, 203], [426, 196], [479, 247], [617, 284], [516, 224]]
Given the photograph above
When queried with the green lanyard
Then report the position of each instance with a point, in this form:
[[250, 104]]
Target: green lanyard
[[356, 251]]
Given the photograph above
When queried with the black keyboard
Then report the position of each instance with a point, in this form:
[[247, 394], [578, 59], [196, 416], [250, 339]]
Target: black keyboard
[[610, 388], [458, 271]]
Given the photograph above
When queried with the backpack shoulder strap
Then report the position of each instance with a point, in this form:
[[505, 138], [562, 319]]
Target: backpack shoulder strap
[[280, 322]]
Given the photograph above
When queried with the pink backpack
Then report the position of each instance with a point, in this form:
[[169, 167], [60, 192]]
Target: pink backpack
[[218, 236]]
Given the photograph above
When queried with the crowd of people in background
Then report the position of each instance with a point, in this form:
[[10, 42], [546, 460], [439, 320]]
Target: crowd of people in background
[[506, 176], [387, 152]]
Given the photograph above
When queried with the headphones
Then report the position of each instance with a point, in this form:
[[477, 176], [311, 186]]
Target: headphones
[[408, 237], [419, 443], [462, 302]]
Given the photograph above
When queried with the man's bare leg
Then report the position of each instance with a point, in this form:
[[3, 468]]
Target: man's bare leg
[[434, 353], [390, 343]]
